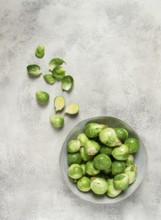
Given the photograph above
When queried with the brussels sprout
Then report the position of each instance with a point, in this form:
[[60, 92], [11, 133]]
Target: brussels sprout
[[59, 103], [55, 62], [90, 169], [85, 157], [67, 83], [102, 162], [106, 150], [107, 170], [82, 138], [91, 147], [34, 70], [72, 109], [133, 145], [99, 185], [75, 171], [83, 168], [112, 192], [83, 184], [58, 73], [132, 176], [121, 153], [49, 79], [40, 51], [118, 167], [72, 180], [42, 97], [121, 181], [74, 158], [92, 130], [108, 137], [121, 133], [130, 160], [73, 146], [131, 168], [57, 121]]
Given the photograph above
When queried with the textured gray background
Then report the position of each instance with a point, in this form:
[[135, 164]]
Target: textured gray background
[[113, 50]]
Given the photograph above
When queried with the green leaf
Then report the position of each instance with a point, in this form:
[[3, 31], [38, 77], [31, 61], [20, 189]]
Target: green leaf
[[40, 51], [67, 83], [49, 79], [55, 62], [34, 70]]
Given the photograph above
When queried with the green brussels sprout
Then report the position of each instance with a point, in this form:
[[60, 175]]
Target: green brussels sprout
[[40, 51], [73, 146], [90, 169], [121, 133], [75, 171], [106, 150], [133, 145], [92, 130], [132, 176], [99, 185], [55, 62], [107, 170], [131, 168], [112, 192], [72, 180], [34, 70], [85, 157], [121, 153], [82, 138], [74, 158], [83, 168], [67, 83], [130, 160], [42, 97], [72, 109], [118, 167], [108, 137], [57, 121], [102, 162], [83, 184], [59, 103], [91, 147], [121, 181], [58, 73], [49, 79]]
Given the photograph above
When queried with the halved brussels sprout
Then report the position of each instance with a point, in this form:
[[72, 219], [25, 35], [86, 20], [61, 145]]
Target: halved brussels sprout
[[67, 83], [121, 181], [72, 109], [133, 145], [57, 121], [108, 137], [118, 167], [85, 157], [34, 70], [121, 153], [91, 147], [82, 138], [55, 62], [58, 73], [40, 51], [130, 160], [90, 169], [75, 171], [42, 97], [83, 184], [73, 146], [99, 185], [74, 158], [106, 150], [83, 168], [112, 192], [59, 103], [49, 79], [92, 130], [102, 162], [121, 133]]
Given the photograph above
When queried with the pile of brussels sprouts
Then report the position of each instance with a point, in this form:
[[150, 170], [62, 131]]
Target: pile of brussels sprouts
[[102, 160]]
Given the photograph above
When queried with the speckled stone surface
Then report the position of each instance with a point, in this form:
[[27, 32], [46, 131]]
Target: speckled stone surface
[[113, 50]]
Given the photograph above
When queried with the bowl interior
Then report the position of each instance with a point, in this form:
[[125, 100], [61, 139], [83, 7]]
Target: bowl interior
[[140, 160]]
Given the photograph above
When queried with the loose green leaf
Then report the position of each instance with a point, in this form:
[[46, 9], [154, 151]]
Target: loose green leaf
[[58, 73], [72, 109], [42, 97], [59, 103], [55, 62], [40, 51], [49, 79], [34, 70], [57, 121], [67, 83]]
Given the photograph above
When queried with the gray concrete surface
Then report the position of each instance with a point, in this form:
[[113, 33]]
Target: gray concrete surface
[[113, 50]]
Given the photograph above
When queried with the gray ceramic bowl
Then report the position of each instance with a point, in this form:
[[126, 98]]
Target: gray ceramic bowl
[[140, 160]]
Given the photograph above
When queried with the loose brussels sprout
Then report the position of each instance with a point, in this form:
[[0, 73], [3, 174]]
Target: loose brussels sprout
[[121, 153], [118, 167], [99, 185], [83, 184], [85, 157], [121, 181], [121, 133], [91, 147], [132, 176], [82, 138], [83, 168], [42, 97], [112, 192], [34, 70], [57, 121], [67, 83], [74, 158], [102, 162], [90, 169], [92, 130], [75, 171], [130, 160], [133, 145], [49, 79], [73, 146], [106, 150], [58, 73], [55, 62], [40, 51], [59, 103], [72, 109], [131, 168], [108, 137]]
